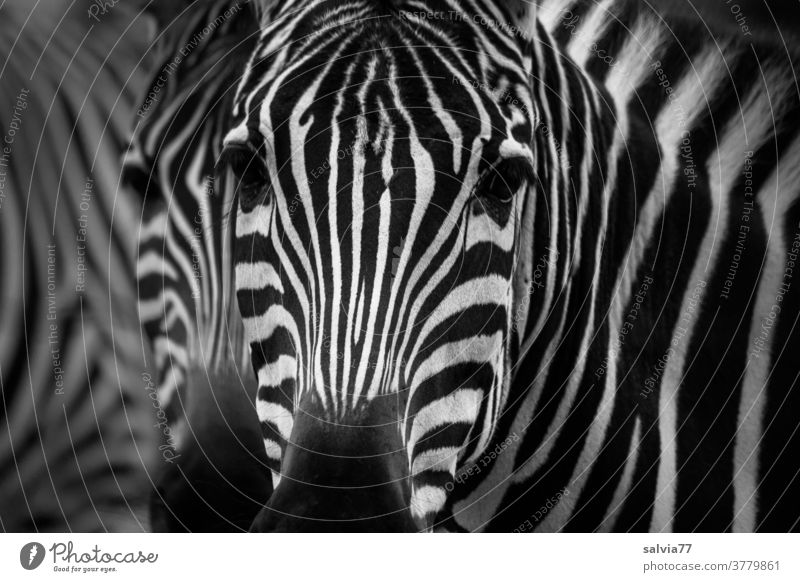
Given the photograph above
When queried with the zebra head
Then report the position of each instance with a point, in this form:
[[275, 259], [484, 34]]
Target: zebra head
[[381, 156]]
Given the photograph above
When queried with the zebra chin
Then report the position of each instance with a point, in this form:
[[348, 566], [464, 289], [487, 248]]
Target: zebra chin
[[348, 475]]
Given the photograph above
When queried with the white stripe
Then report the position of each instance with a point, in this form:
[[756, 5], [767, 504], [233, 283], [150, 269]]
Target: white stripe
[[774, 203], [452, 128], [151, 263], [442, 459], [592, 27], [273, 374], [623, 490], [257, 221], [478, 349], [154, 229], [461, 406], [427, 500], [257, 276], [277, 415], [272, 449], [261, 327], [474, 292]]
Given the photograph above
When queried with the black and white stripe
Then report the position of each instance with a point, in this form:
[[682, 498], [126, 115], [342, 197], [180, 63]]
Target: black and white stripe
[[641, 389], [374, 140]]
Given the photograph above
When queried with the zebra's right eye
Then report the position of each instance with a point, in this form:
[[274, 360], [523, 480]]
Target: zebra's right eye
[[249, 172]]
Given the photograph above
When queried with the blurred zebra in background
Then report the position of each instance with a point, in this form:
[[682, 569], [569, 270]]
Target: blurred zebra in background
[[77, 426], [216, 478]]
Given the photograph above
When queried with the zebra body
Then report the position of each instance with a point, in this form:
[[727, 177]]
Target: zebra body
[[688, 425], [490, 259]]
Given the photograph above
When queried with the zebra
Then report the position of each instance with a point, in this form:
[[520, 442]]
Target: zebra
[[75, 419], [214, 477], [509, 266]]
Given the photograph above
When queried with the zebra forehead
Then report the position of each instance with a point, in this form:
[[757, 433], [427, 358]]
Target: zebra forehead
[[369, 112], [324, 39]]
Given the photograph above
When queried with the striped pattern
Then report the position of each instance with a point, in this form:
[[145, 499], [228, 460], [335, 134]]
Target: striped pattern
[[619, 254], [516, 232], [645, 388], [361, 271], [76, 424]]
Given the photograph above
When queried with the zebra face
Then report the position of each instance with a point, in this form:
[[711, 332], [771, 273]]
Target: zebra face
[[381, 163]]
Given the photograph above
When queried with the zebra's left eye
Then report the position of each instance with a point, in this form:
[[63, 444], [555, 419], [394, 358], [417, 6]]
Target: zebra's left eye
[[504, 179], [249, 172]]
